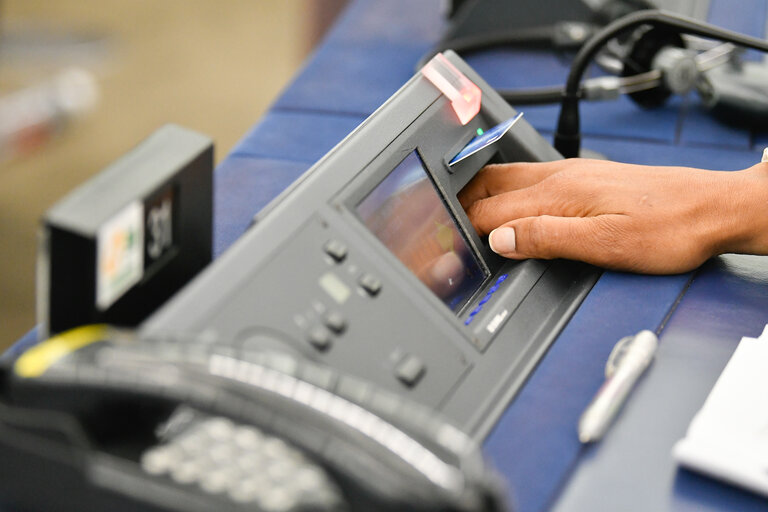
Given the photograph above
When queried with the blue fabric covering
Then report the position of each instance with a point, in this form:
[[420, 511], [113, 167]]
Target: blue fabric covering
[[296, 135], [727, 299], [649, 153], [379, 57], [28, 340], [746, 16], [368, 55], [243, 186], [760, 141], [700, 128], [502, 67], [540, 425], [620, 119]]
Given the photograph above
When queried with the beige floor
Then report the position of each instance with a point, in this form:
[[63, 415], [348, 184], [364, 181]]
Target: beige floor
[[211, 65]]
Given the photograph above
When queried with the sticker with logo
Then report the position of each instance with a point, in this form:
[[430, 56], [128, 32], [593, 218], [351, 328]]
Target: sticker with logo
[[120, 255]]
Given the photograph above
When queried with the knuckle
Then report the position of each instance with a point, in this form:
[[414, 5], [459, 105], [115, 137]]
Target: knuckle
[[490, 172], [481, 175], [571, 165], [563, 182], [613, 245], [617, 242], [492, 169], [475, 210], [562, 191], [537, 238]]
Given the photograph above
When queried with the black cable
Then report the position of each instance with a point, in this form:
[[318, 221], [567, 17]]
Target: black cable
[[537, 96], [546, 36], [568, 136], [530, 38]]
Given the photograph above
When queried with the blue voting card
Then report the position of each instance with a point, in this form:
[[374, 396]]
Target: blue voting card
[[486, 139]]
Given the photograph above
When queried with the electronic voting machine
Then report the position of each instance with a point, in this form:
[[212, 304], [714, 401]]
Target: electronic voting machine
[[369, 264]]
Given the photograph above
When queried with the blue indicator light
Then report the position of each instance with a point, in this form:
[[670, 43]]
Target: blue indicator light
[[485, 299]]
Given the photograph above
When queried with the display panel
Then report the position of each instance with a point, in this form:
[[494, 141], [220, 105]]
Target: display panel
[[406, 213]]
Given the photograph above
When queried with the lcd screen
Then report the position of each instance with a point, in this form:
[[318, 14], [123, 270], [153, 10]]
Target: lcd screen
[[406, 213]]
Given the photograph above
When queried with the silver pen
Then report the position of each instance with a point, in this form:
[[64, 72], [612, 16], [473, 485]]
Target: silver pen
[[628, 360]]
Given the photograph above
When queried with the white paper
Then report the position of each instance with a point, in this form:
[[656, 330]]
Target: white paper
[[728, 437]]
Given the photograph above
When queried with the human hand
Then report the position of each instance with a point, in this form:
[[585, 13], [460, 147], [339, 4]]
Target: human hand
[[658, 220]]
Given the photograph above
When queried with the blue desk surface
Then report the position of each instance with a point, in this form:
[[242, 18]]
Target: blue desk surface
[[366, 57]]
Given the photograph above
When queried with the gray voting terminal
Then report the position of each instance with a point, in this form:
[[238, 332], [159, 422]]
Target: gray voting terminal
[[320, 273]]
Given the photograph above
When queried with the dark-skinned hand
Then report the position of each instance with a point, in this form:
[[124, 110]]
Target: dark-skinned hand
[[646, 219]]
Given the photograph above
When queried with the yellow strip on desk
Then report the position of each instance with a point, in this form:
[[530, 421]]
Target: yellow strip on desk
[[35, 361]]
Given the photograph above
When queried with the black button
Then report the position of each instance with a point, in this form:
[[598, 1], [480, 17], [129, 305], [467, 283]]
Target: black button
[[320, 337], [410, 370], [370, 284], [335, 322], [336, 250]]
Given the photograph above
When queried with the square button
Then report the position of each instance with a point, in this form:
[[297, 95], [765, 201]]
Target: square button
[[320, 337], [336, 250], [371, 284], [410, 370], [335, 322]]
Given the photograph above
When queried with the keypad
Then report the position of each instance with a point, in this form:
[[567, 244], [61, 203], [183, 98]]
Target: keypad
[[243, 464]]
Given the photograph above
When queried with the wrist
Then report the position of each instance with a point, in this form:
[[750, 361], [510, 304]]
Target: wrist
[[745, 212]]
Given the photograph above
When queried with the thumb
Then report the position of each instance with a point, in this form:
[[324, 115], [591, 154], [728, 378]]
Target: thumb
[[590, 239]]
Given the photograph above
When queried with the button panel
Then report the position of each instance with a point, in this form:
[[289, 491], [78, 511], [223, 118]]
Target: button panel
[[324, 322], [322, 325]]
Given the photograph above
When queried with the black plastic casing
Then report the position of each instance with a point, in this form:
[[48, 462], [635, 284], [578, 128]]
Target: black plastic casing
[[168, 175]]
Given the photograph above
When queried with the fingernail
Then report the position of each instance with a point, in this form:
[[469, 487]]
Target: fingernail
[[502, 240]]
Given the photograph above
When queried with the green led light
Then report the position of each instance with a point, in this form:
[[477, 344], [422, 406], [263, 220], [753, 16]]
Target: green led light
[[479, 131]]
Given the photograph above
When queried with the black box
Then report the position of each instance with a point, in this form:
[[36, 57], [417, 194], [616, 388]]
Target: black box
[[122, 243]]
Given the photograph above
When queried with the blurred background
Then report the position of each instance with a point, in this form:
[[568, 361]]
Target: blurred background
[[83, 81]]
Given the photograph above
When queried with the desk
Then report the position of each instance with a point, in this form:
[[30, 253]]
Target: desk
[[367, 56]]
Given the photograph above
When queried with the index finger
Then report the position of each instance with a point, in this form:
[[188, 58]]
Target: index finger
[[497, 179], [489, 213]]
